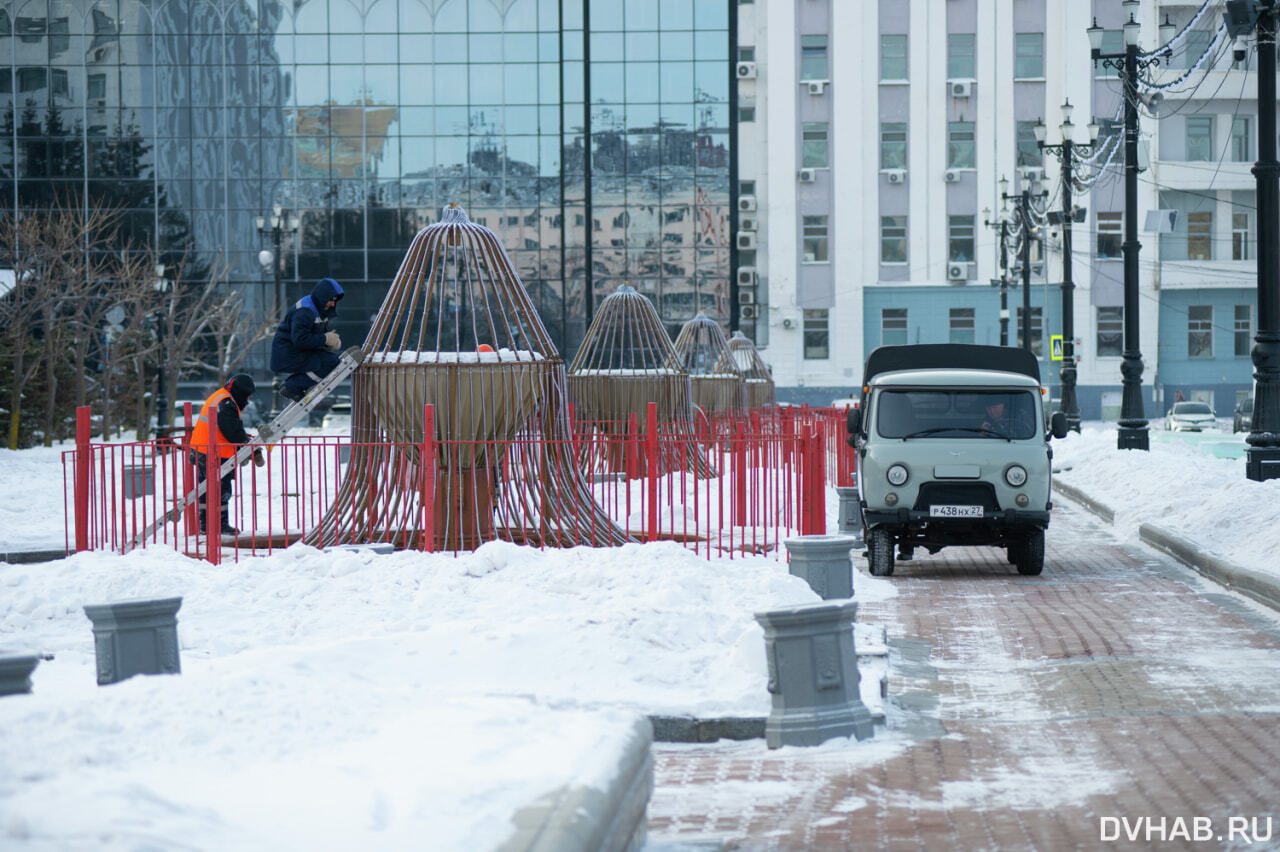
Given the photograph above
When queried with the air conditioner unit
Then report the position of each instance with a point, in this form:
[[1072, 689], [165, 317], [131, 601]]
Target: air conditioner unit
[[816, 87], [746, 297], [960, 88], [808, 175], [1034, 174], [896, 175], [951, 175], [746, 276], [747, 223], [747, 312], [746, 240], [747, 203], [746, 71], [957, 271]]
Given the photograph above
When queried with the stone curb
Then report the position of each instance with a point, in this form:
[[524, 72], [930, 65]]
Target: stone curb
[[1261, 587], [690, 729], [28, 557], [584, 819]]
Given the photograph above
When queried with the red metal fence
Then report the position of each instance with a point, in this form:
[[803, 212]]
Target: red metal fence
[[740, 485]]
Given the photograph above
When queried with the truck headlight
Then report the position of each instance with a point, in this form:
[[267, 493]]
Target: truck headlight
[[896, 474], [1015, 475]]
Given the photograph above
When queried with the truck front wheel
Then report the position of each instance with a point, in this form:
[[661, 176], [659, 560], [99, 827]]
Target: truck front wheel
[[880, 552], [1030, 553]]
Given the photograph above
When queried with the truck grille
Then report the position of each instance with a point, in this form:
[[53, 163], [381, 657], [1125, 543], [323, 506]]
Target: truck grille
[[957, 494]]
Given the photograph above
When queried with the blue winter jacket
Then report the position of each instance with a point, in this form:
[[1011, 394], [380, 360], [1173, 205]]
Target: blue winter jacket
[[301, 332]]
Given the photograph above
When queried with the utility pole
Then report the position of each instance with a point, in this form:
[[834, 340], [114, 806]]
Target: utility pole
[[1067, 151], [1132, 433], [1022, 202], [1262, 458], [1003, 221]]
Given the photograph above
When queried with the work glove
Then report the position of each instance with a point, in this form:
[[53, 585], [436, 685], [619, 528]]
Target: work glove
[[258, 458], [331, 341]]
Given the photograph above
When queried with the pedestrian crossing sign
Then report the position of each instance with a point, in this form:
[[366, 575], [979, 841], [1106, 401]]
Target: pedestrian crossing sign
[[1055, 347]]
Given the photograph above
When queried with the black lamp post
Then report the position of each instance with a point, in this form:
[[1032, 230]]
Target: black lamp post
[[1003, 222], [276, 227], [161, 286], [1027, 228], [1132, 433], [1262, 458], [1065, 151]]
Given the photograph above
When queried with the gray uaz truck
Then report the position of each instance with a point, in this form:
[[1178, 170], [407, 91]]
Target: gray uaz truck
[[953, 450]]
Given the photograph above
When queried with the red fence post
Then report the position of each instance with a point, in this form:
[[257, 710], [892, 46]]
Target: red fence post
[[428, 470], [83, 462], [213, 500], [651, 463], [818, 499], [740, 474], [188, 472]]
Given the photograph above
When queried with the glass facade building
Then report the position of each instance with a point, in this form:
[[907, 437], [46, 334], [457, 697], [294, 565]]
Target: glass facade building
[[363, 118]]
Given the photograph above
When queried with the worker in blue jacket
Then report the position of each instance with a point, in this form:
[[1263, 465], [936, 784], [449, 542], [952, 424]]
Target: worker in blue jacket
[[304, 347]]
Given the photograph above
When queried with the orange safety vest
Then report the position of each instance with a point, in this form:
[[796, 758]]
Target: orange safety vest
[[209, 418]]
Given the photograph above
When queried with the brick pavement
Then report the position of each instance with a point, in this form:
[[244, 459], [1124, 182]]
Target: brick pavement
[[1022, 711]]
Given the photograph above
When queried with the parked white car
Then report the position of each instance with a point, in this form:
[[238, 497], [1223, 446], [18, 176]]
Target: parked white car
[[1190, 417]]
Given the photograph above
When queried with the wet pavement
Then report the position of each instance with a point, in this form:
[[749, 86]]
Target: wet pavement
[[1118, 701]]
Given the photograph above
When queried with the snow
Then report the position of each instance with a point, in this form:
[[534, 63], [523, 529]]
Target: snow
[[346, 699], [486, 357]]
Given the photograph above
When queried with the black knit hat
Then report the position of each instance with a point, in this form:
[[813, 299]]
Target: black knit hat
[[241, 387]]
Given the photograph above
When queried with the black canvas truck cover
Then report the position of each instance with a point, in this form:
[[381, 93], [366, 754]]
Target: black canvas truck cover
[[950, 356]]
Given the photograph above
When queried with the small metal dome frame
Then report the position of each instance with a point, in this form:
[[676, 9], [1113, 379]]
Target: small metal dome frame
[[760, 391], [718, 385]]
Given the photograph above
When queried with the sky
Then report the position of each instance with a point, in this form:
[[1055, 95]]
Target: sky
[[342, 699]]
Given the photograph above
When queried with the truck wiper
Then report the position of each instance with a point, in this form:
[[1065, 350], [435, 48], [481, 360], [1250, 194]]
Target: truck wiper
[[981, 430]]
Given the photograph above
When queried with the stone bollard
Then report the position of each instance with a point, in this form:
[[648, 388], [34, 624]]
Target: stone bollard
[[823, 562], [15, 673], [813, 675], [135, 637], [850, 519]]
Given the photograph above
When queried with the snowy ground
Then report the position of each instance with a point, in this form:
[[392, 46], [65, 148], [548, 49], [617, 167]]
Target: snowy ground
[[337, 700]]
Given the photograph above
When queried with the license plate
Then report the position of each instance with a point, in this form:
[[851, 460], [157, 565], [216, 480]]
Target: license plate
[[955, 511]]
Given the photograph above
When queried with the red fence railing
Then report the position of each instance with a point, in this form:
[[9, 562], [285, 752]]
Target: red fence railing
[[729, 486]]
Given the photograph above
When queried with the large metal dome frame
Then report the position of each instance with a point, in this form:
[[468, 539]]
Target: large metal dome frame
[[458, 331]]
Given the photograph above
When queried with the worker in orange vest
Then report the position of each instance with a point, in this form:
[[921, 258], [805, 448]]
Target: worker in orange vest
[[220, 417]]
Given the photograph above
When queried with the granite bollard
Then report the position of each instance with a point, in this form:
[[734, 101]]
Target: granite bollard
[[135, 637], [823, 562], [849, 521], [813, 675], [15, 672]]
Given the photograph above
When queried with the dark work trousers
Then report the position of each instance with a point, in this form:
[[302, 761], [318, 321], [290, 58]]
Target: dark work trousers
[[224, 492], [318, 365]]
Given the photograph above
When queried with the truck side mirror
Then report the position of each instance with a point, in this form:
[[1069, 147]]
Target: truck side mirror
[[1058, 424], [853, 421]]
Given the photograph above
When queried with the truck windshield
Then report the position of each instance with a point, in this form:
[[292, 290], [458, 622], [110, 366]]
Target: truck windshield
[[994, 414]]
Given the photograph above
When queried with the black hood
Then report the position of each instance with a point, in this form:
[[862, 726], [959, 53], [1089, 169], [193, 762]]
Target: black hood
[[325, 290], [241, 387]]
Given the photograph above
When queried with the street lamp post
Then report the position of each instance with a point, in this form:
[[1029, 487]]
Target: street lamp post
[[1027, 229], [276, 227], [1262, 458], [1132, 433], [1003, 221], [161, 286], [1066, 151]]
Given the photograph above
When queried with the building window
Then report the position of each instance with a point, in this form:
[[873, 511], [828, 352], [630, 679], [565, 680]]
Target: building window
[[1241, 150], [813, 149], [1200, 235], [817, 337], [1029, 153], [1110, 332], [31, 79], [893, 145], [814, 239], [1196, 43], [1109, 235], [1241, 228], [893, 326], [746, 114], [893, 239], [813, 57], [746, 53], [1037, 345], [962, 325], [960, 56], [1200, 331], [1028, 60], [97, 86], [960, 238], [1200, 137], [1243, 330], [960, 153], [893, 57]]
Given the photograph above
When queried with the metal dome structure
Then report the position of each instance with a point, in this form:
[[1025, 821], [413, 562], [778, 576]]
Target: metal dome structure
[[625, 362], [458, 331], [759, 387], [717, 382]]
